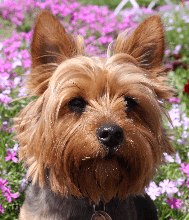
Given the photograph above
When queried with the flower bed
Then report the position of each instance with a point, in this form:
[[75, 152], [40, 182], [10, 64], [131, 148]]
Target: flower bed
[[99, 26]]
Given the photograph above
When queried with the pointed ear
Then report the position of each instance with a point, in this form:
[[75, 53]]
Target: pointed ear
[[50, 46], [51, 43], [145, 44]]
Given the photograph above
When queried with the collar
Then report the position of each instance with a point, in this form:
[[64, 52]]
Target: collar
[[100, 214]]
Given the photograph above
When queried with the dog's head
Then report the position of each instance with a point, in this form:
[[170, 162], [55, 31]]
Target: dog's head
[[97, 122]]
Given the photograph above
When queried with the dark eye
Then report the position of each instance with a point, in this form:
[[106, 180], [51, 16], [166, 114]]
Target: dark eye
[[77, 105], [130, 104]]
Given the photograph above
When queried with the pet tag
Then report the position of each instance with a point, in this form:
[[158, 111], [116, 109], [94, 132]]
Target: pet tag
[[100, 215]]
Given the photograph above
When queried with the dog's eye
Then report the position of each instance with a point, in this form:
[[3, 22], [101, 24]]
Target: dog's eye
[[130, 103], [77, 105]]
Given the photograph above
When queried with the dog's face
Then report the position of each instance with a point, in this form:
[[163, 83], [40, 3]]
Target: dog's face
[[97, 123]]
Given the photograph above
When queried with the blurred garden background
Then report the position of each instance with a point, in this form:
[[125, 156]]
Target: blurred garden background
[[99, 22]]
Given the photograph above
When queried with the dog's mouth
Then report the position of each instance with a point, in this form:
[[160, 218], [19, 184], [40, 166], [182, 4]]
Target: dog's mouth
[[109, 157], [111, 153]]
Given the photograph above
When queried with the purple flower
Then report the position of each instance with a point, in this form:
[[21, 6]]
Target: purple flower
[[175, 203], [181, 141]]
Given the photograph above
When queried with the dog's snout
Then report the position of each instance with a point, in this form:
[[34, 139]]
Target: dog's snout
[[110, 135]]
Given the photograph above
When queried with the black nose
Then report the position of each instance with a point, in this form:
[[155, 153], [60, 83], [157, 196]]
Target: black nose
[[110, 135]]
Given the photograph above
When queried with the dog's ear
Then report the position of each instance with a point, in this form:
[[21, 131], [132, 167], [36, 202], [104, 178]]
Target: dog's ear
[[51, 43], [145, 44], [50, 46]]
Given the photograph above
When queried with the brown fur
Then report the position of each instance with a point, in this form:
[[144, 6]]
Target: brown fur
[[52, 136]]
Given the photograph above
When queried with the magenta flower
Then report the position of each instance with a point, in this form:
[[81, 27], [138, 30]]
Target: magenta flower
[[185, 169], [2, 185], [175, 100], [175, 203], [1, 209], [9, 195], [11, 156]]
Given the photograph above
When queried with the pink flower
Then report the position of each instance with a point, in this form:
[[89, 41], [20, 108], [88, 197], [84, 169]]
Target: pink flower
[[25, 54], [103, 40], [185, 169], [2, 185], [1, 209], [10, 130], [4, 98], [9, 195], [11, 157], [27, 63], [176, 100]]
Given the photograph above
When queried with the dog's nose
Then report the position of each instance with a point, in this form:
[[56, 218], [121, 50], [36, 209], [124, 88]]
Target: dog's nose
[[110, 135]]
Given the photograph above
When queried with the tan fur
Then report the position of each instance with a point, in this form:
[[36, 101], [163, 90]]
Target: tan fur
[[24, 214], [51, 135]]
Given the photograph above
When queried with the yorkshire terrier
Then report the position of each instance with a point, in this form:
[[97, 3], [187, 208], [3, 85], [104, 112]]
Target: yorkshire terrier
[[94, 136]]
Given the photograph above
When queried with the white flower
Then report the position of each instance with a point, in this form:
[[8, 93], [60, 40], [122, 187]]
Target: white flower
[[181, 36], [184, 134], [177, 158], [179, 30], [170, 20]]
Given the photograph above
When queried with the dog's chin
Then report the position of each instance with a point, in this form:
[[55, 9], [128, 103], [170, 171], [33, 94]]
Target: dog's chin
[[104, 177]]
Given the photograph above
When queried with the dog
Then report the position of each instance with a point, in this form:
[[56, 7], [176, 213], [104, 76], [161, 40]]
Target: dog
[[93, 137]]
